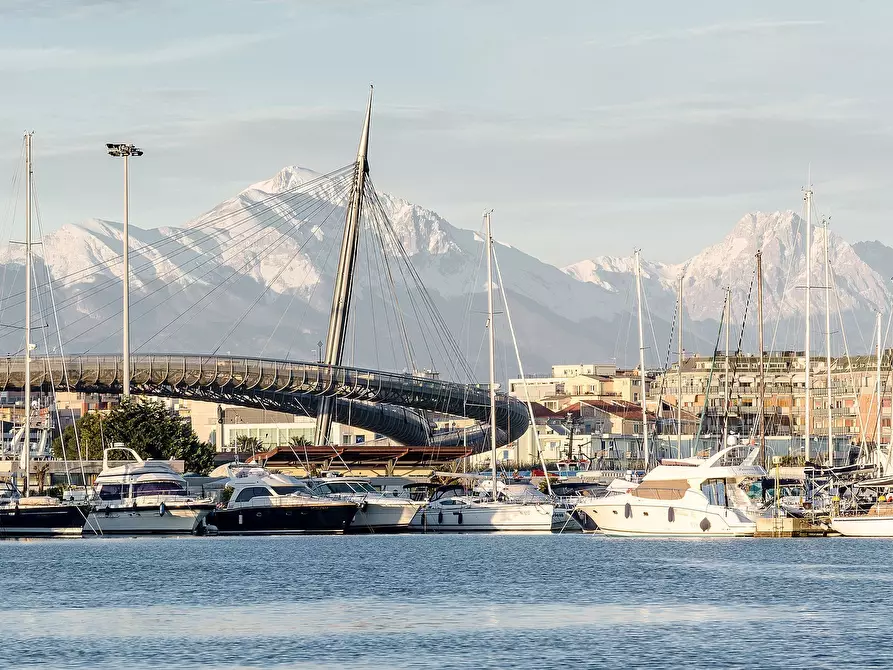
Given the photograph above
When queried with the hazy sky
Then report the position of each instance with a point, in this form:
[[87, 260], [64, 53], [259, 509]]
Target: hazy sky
[[591, 127]]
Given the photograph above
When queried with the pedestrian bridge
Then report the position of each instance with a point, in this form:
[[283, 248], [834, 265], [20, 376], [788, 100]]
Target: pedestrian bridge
[[387, 403]]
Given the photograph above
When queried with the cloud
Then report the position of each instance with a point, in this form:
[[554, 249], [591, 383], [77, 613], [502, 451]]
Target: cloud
[[59, 58], [61, 8], [714, 30]]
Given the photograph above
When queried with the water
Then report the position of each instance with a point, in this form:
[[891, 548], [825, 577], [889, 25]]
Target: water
[[461, 601]]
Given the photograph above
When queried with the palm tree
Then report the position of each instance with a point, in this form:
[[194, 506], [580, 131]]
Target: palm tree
[[249, 443], [299, 441]]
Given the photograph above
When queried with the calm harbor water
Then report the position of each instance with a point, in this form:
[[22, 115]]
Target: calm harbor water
[[462, 601]]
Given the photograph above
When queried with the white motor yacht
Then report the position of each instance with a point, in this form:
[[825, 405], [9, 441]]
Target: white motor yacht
[[690, 498], [377, 511], [144, 497], [264, 502]]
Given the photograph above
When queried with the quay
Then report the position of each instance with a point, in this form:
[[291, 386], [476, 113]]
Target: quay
[[792, 527]]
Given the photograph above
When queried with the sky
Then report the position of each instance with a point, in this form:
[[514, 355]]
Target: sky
[[590, 127]]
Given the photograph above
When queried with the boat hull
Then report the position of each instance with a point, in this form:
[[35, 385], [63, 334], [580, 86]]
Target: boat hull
[[375, 517], [485, 518], [42, 521], [627, 516], [149, 520], [280, 520], [863, 526]]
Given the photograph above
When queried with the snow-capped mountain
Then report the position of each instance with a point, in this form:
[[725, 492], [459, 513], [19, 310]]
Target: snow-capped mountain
[[859, 290], [254, 276]]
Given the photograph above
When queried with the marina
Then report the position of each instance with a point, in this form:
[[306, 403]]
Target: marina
[[461, 336]]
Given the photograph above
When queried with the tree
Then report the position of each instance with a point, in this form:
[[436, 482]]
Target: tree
[[246, 443], [144, 425], [88, 433], [299, 441]]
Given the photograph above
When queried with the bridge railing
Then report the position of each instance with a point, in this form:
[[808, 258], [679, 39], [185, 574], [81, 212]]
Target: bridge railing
[[271, 382]]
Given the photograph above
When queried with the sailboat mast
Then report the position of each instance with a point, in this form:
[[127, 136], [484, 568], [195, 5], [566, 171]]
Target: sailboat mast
[[726, 401], [26, 442], [679, 394], [828, 347], [808, 427], [491, 336], [762, 458], [645, 445], [877, 427]]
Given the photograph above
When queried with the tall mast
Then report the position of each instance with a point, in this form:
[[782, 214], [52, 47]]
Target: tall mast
[[808, 428], [877, 427], [880, 404], [491, 336], [26, 442], [679, 395], [762, 458], [727, 397], [344, 278], [828, 346], [645, 445]]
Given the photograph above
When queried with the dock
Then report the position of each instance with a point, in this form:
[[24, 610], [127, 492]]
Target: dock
[[791, 527]]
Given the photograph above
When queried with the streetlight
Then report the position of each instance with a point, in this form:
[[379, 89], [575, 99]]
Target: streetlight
[[125, 151]]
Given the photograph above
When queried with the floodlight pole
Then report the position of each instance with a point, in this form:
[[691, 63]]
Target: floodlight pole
[[125, 151]]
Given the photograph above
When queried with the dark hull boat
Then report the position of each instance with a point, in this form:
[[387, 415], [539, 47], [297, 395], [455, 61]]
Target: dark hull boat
[[21, 519], [275, 519]]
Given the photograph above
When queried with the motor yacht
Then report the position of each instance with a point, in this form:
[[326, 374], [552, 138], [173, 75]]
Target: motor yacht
[[376, 512], [143, 497], [690, 497], [38, 516], [262, 502]]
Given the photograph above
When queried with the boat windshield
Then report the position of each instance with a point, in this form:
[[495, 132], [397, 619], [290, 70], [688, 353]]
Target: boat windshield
[[339, 487], [8, 491], [288, 490]]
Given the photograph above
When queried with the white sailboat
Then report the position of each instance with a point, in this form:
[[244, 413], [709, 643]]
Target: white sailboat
[[490, 510], [23, 515], [877, 519]]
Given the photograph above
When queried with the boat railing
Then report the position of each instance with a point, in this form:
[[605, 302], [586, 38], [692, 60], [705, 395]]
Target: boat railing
[[290, 500]]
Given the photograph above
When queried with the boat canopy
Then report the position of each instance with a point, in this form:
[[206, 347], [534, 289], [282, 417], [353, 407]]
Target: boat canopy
[[664, 489]]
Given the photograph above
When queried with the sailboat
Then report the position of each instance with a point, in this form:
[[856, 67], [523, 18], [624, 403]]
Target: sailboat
[[488, 508], [868, 512], [21, 514]]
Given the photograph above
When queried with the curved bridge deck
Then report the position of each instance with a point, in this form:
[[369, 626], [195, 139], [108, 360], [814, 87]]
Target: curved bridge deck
[[391, 404]]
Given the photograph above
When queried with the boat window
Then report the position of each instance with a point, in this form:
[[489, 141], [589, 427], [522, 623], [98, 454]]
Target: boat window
[[159, 489], [110, 491], [252, 492], [715, 491], [340, 487]]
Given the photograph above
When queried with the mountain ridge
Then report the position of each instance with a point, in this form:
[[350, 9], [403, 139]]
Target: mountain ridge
[[277, 265]]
